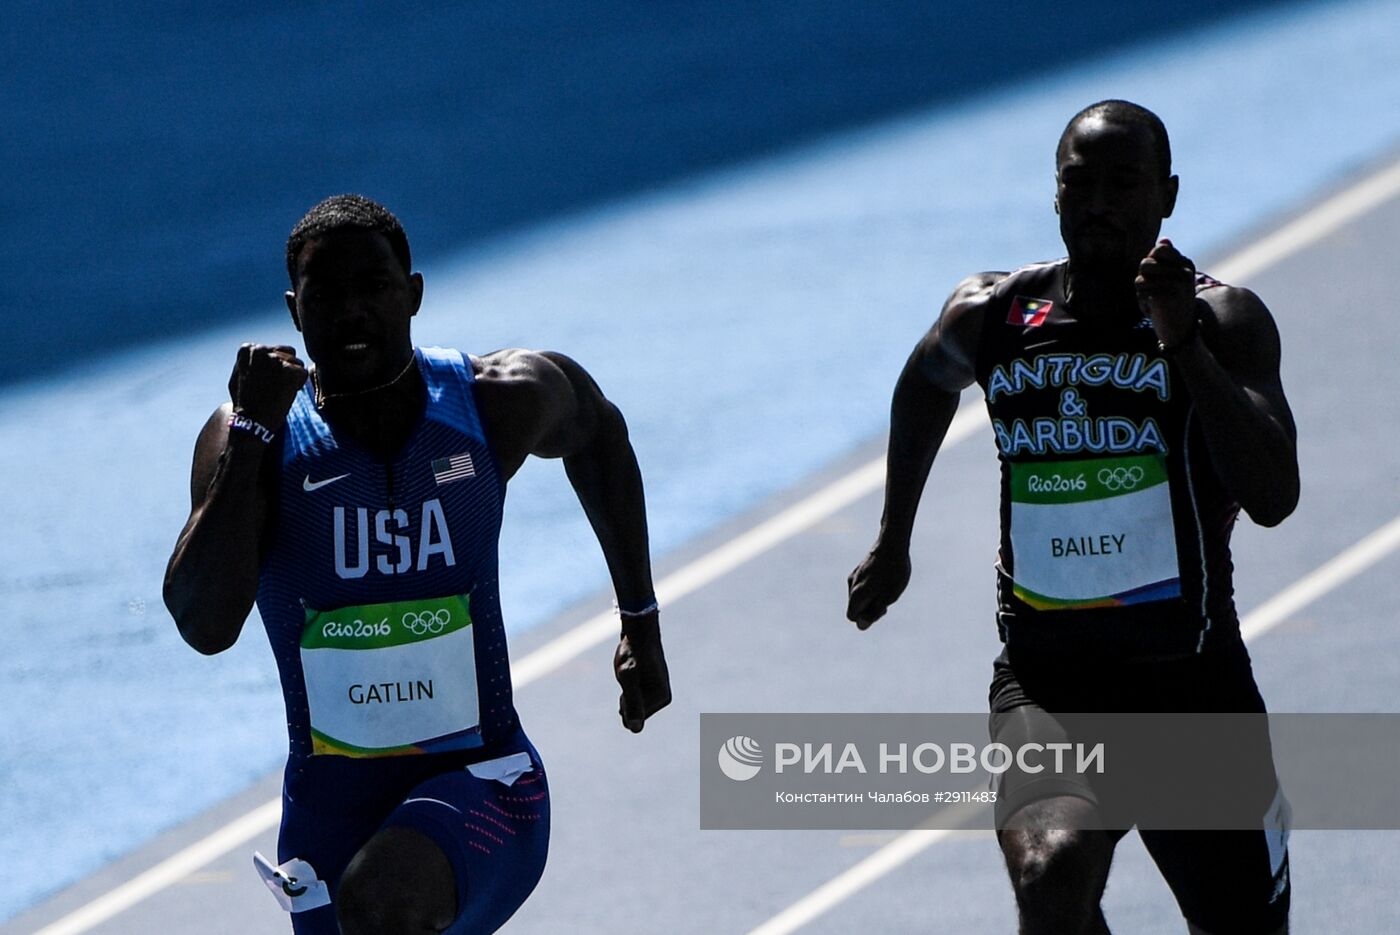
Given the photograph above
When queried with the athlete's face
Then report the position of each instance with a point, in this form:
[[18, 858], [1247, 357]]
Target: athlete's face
[[353, 304], [1111, 196]]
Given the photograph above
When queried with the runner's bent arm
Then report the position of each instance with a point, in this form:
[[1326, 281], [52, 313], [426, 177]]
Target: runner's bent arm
[[545, 404], [211, 580], [925, 401], [1231, 369], [1226, 347]]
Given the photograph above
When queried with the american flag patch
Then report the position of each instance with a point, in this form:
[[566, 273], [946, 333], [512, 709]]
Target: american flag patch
[[457, 467]]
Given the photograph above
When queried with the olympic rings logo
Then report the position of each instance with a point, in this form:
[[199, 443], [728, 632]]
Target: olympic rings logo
[[428, 621], [1121, 478]]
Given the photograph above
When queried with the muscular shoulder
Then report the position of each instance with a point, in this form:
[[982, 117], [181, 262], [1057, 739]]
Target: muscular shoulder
[[517, 370], [1232, 305], [532, 402], [970, 297], [976, 287], [948, 352], [1238, 327], [525, 384]]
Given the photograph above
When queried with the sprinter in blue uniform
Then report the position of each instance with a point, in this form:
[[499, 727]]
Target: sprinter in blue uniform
[[1137, 408], [359, 503]]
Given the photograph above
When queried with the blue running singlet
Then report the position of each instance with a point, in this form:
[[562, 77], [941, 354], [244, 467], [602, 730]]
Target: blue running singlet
[[379, 595]]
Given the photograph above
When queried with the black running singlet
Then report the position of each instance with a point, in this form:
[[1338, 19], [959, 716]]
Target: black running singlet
[[1114, 526]]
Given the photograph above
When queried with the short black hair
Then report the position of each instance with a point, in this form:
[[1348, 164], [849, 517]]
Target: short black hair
[[339, 212], [1124, 113]]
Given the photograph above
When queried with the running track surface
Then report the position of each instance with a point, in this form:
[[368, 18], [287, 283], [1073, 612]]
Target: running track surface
[[674, 300], [627, 855]]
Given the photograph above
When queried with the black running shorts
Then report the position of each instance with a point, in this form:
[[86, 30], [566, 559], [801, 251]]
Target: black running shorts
[[1223, 880]]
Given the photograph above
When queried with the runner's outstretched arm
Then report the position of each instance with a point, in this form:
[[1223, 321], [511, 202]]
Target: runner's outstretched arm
[[569, 418], [211, 580], [925, 401], [1226, 347]]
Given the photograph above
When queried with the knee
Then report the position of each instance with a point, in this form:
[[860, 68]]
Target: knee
[[1058, 877], [1048, 862], [399, 882]]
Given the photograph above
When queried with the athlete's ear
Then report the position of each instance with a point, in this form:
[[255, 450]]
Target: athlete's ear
[[291, 298], [415, 283], [1169, 202]]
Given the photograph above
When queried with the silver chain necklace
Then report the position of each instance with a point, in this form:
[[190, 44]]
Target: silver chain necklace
[[322, 396]]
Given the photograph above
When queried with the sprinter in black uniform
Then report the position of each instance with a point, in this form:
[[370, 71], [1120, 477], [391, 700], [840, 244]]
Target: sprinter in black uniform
[[1137, 408]]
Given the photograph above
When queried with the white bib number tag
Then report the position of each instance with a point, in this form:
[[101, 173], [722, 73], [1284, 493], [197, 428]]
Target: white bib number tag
[[1094, 533], [391, 679]]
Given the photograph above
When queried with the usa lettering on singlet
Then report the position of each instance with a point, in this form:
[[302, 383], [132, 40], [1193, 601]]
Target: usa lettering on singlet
[[379, 593]]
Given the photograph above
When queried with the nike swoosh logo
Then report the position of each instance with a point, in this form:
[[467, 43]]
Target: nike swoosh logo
[[308, 485]]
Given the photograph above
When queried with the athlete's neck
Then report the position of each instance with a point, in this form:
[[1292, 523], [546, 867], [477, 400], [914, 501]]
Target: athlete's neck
[[1099, 296], [324, 392], [380, 418]]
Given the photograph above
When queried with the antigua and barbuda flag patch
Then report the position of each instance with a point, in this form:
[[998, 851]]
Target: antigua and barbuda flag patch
[[1028, 313], [457, 467]]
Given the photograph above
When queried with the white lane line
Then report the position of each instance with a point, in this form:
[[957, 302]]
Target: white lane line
[[797, 518], [872, 868], [1345, 566], [836, 890], [168, 871], [1311, 227], [1335, 572]]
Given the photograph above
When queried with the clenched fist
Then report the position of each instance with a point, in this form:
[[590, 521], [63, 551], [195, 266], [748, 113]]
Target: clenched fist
[[265, 382], [876, 583], [640, 666], [1166, 290]]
